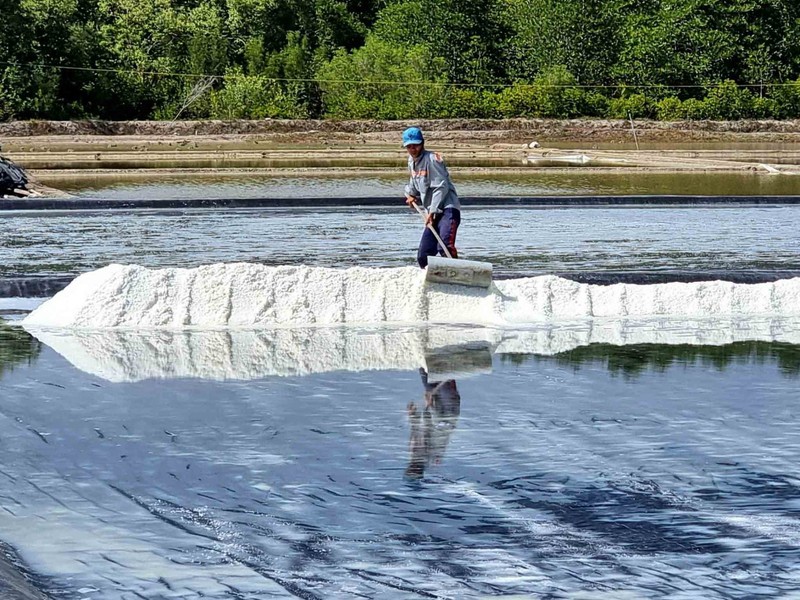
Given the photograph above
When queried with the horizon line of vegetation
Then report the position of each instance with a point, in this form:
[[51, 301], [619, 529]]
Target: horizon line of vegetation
[[400, 59]]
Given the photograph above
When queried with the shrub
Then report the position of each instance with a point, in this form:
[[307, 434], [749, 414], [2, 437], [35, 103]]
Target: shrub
[[465, 103], [553, 94], [765, 108], [634, 105], [595, 104], [669, 109], [693, 109], [518, 100], [728, 101], [787, 99], [254, 97]]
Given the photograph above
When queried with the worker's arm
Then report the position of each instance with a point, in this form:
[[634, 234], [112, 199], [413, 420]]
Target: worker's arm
[[439, 182], [412, 193]]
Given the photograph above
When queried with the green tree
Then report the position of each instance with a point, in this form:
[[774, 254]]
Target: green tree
[[467, 34], [580, 35], [701, 42], [680, 43], [125, 59], [767, 33], [254, 26], [200, 53], [295, 67], [382, 81], [37, 38], [141, 40]]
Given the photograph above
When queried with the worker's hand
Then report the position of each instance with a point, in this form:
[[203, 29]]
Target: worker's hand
[[410, 200], [428, 219]]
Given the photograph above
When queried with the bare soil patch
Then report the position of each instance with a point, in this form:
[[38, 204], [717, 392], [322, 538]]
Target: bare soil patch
[[606, 130], [349, 147]]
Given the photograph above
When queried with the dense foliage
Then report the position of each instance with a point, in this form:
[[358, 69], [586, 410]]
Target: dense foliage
[[168, 59], [17, 346]]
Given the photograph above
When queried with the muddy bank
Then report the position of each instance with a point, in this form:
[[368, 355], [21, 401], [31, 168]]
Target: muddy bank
[[50, 150], [547, 129]]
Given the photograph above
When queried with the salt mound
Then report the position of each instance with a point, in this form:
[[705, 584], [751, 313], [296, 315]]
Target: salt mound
[[232, 295], [243, 295]]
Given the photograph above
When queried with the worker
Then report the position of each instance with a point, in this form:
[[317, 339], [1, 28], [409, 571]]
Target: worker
[[430, 186]]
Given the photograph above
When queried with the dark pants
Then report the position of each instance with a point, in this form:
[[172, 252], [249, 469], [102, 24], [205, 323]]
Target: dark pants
[[446, 225]]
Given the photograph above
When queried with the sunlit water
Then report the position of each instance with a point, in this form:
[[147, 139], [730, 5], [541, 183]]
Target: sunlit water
[[594, 459], [517, 241], [544, 183], [645, 470]]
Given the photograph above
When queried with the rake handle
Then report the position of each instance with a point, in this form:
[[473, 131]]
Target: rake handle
[[424, 214]]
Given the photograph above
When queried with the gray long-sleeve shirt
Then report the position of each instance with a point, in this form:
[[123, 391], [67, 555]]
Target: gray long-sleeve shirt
[[430, 183]]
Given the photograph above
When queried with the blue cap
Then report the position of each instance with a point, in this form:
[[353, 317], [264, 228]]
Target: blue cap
[[412, 135]]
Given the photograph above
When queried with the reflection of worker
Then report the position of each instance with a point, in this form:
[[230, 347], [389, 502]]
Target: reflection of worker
[[431, 429], [430, 186]]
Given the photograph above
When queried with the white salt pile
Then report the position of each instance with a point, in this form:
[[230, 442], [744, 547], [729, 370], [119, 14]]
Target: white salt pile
[[243, 295]]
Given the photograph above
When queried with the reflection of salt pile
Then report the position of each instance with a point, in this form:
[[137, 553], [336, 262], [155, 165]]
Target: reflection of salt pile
[[132, 356], [249, 295], [552, 340], [443, 351]]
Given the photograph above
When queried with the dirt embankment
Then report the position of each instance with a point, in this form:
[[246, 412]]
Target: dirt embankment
[[590, 130], [91, 149]]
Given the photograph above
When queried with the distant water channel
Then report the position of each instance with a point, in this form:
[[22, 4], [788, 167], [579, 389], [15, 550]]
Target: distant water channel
[[366, 185]]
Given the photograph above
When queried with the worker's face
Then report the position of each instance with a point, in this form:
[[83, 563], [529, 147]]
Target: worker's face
[[414, 150]]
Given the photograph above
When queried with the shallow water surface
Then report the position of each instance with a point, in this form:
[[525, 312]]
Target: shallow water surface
[[517, 241], [535, 183], [655, 460], [590, 458]]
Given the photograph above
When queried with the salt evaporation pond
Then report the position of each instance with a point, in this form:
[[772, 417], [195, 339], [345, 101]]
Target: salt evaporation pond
[[233, 430], [724, 240], [244, 431]]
